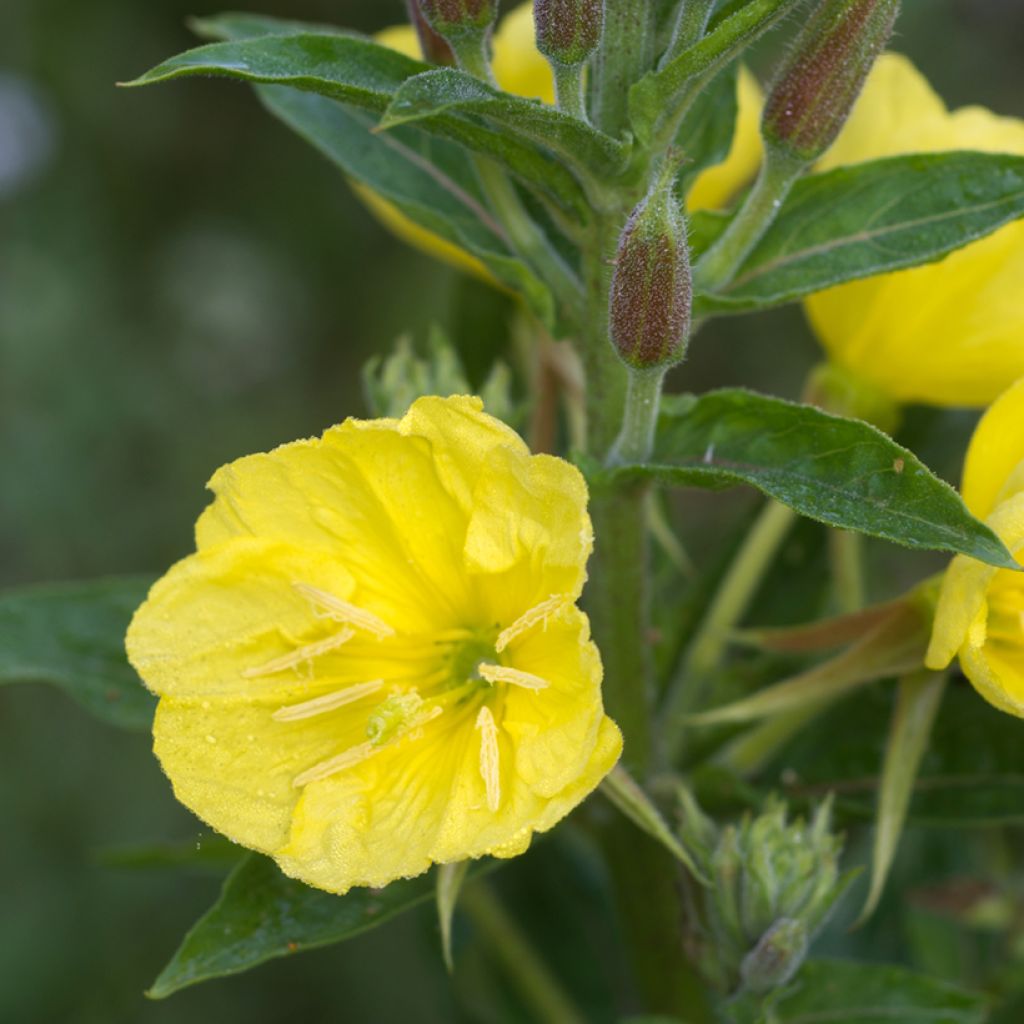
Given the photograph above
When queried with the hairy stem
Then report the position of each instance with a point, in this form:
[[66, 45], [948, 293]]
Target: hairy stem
[[569, 90], [639, 419], [625, 54]]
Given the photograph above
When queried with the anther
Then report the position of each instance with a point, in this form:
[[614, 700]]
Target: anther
[[537, 614], [328, 702], [512, 676], [300, 655], [341, 611], [490, 769]]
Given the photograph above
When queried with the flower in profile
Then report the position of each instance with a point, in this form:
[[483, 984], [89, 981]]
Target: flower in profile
[[521, 69], [949, 333], [374, 661], [980, 614]]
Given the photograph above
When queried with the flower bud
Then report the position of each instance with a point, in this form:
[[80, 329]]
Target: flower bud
[[817, 85], [452, 18], [568, 31], [652, 287], [434, 47], [776, 957]]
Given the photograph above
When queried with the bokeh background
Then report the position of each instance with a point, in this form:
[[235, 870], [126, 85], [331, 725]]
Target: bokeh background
[[183, 281]]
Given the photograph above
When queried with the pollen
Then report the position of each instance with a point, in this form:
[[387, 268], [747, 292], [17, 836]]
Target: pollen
[[300, 655], [490, 768], [328, 702], [331, 607], [536, 615], [512, 676]]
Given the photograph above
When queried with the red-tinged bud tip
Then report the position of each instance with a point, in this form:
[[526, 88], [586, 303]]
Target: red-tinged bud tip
[[458, 17], [817, 85], [568, 31], [434, 47], [652, 287]]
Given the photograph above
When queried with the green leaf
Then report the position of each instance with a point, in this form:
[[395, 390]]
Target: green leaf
[[71, 635], [210, 852], [917, 704], [448, 90], [842, 472], [873, 218], [657, 96], [449, 884], [843, 992], [261, 914], [706, 134], [364, 74]]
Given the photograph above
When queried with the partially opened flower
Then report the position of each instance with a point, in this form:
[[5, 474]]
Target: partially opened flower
[[520, 68], [374, 660], [980, 615], [948, 333]]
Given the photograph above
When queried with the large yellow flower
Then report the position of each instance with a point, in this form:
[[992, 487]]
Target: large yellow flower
[[374, 661], [949, 333], [980, 614], [520, 68]]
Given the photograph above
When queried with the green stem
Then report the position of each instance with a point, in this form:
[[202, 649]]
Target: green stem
[[730, 603], [639, 419], [626, 53], [537, 986], [719, 264], [752, 751], [846, 551], [472, 54], [569, 89], [693, 19]]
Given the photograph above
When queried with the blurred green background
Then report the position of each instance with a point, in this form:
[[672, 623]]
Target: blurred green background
[[182, 281]]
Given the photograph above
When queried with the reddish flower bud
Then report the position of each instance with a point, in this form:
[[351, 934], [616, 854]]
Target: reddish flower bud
[[459, 17], [817, 85], [568, 31], [434, 48], [652, 287]]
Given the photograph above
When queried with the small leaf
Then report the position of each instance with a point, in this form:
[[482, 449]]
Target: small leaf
[[894, 647], [917, 704], [843, 992], [627, 795], [657, 96], [872, 218], [841, 472], [449, 884], [71, 635], [446, 89], [261, 914]]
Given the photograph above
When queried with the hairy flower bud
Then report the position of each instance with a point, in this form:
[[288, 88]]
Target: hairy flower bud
[[459, 17], [652, 287], [568, 31], [816, 87], [435, 49], [776, 957]]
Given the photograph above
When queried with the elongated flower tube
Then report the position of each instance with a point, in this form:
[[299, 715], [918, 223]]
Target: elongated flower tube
[[950, 333], [980, 613], [374, 660], [520, 68]]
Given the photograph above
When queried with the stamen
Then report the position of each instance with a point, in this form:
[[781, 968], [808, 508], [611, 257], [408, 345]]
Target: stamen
[[526, 621], [333, 765], [341, 611], [490, 769], [512, 676], [328, 702], [300, 654]]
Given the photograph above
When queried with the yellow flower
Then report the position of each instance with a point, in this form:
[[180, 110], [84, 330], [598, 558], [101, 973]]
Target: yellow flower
[[980, 614], [949, 333], [374, 661], [520, 68]]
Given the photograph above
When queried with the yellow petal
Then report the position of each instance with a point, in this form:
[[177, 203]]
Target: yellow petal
[[949, 333], [529, 535], [717, 186], [998, 678], [996, 453]]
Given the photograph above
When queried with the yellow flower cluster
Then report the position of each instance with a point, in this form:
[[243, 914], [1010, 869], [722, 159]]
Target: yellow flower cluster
[[374, 661]]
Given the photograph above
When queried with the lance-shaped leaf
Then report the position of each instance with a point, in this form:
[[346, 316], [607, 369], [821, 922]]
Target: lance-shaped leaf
[[657, 96], [894, 647], [872, 218], [841, 472], [71, 635], [366, 75], [844, 992], [629, 797], [261, 914], [448, 90], [917, 703]]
